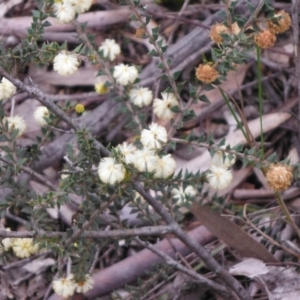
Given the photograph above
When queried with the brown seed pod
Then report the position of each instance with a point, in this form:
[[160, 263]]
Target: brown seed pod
[[215, 32], [265, 39], [279, 176], [206, 73], [283, 24], [235, 29], [140, 33]]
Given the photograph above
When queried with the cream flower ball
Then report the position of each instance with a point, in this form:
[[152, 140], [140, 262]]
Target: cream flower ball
[[145, 160], [82, 6], [110, 171], [165, 166], [85, 285], [7, 89], [127, 151], [64, 11], [155, 137], [219, 178], [24, 247], [65, 286], [110, 49], [141, 96], [125, 74], [40, 114], [162, 108], [222, 159], [16, 122], [65, 63], [181, 194], [7, 242]]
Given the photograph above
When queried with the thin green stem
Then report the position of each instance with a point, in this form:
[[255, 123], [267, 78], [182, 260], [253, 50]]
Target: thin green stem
[[259, 82], [234, 115]]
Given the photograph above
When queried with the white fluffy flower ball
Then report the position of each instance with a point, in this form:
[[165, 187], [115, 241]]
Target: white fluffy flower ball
[[85, 285], [141, 96], [40, 114], [16, 122], [7, 89], [223, 160], [155, 137], [110, 171], [125, 74], [162, 108], [165, 166], [219, 178], [65, 286], [181, 195], [65, 63], [82, 6], [127, 151], [145, 160], [64, 11], [110, 49]]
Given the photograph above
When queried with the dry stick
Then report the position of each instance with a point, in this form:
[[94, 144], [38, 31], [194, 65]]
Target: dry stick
[[210, 262], [190, 272], [180, 19], [17, 219], [75, 96], [112, 234], [295, 20]]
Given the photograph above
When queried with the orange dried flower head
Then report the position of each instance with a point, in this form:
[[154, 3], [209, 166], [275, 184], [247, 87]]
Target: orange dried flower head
[[206, 73], [140, 33], [215, 32], [283, 24], [265, 39], [279, 176], [235, 29]]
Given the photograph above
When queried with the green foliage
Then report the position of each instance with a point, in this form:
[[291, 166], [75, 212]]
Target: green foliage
[[98, 204]]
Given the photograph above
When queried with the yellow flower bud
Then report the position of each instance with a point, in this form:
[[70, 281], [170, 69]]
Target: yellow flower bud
[[100, 88], [79, 108]]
